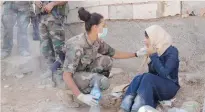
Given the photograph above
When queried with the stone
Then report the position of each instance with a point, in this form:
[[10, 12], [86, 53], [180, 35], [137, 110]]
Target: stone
[[116, 71], [148, 13], [120, 12], [19, 76], [6, 86], [191, 106]]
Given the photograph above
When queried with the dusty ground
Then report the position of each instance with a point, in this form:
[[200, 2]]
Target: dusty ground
[[23, 94]]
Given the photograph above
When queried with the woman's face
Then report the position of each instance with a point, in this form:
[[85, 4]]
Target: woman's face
[[101, 26], [97, 29], [147, 42]]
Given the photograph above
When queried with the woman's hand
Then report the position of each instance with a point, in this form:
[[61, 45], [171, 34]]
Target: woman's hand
[[151, 50]]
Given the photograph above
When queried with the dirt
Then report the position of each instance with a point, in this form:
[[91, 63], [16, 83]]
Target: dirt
[[23, 94]]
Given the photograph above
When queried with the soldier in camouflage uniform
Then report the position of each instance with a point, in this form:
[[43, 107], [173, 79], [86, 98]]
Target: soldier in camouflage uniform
[[89, 59], [15, 11], [52, 33]]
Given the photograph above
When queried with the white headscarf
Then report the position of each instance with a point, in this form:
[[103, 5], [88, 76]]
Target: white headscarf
[[159, 39]]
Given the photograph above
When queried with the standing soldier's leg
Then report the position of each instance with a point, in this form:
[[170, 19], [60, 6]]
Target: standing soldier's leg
[[8, 21], [46, 48], [57, 35], [23, 19], [47, 52]]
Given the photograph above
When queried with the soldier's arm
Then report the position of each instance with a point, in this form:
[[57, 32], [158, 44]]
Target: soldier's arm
[[123, 55], [106, 49], [67, 77], [72, 58]]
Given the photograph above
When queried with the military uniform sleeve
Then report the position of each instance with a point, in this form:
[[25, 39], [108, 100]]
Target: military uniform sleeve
[[106, 49], [72, 58]]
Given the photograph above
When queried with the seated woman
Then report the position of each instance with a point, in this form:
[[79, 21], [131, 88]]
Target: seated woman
[[161, 82]]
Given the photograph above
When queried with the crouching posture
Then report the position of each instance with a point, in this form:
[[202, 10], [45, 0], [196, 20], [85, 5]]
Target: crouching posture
[[161, 82], [88, 58]]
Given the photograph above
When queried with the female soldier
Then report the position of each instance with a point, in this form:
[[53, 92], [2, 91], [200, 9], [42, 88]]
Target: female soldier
[[88, 58]]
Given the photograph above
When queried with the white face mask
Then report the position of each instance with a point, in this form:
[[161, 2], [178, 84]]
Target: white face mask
[[103, 34]]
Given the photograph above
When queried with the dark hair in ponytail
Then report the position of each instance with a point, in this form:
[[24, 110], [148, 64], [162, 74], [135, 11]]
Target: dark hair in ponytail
[[88, 18]]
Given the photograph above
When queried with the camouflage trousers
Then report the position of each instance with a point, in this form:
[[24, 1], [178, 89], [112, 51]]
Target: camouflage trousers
[[52, 37], [97, 71]]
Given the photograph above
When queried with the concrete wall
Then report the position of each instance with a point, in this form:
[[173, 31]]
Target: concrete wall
[[125, 9], [134, 9]]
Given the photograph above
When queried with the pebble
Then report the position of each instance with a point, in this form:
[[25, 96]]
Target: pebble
[[19, 76], [47, 100], [6, 86]]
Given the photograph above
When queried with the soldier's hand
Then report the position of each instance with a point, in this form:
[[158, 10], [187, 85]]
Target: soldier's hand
[[48, 7], [39, 4]]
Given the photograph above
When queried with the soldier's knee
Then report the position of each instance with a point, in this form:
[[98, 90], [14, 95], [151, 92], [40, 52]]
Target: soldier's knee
[[106, 61]]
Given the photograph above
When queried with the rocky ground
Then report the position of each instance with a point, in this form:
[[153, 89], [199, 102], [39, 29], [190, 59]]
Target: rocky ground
[[20, 77]]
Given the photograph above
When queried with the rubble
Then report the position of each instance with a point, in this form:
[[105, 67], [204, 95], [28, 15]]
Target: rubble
[[115, 71]]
